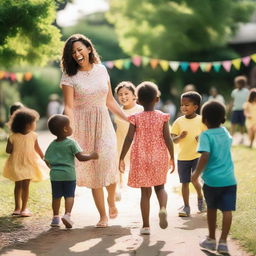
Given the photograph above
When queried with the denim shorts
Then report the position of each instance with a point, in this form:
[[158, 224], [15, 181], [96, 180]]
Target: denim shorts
[[185, 169], [237, 117], [222, 198], [63, 188]]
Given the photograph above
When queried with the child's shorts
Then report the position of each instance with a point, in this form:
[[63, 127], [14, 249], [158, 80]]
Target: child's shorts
[[222, 198], [63, 188], [237, 117], [185, 169]]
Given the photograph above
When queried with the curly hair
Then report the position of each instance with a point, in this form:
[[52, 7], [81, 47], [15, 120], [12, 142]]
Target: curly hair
[[252, 95], [56, 124], [126, 84], [68, 64], [22, 118], [147, 91], [193, 96]]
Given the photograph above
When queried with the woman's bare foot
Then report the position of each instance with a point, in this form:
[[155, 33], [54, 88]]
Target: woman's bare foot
[[103, 222], [113, 212]]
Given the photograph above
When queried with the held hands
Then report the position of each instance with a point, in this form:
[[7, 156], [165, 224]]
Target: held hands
[[183, 134], [171, 165], [94, 155], [121, 166]]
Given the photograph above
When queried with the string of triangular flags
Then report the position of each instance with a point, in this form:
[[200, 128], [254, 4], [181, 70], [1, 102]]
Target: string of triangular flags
[[15, 76], [183, 65]]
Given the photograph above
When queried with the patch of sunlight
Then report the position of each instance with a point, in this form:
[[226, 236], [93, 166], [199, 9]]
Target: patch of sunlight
[[181, 8], [126, 243], [84, 246], [19, 252], [212, 33]]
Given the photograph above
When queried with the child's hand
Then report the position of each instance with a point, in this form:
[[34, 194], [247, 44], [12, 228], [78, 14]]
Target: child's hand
[[121, 166], [197, 138], [94, 155], [183, 134], [171, 165], [194, 176]]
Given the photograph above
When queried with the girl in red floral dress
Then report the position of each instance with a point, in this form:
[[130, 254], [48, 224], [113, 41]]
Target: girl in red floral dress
[[151, 150]]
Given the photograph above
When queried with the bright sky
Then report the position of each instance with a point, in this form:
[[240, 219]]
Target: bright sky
[[79, 8]]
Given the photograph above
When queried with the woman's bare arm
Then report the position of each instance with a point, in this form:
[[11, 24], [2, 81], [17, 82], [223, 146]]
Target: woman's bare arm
[[68, 95]]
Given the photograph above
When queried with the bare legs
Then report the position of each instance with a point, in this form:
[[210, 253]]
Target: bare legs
[[145, 201], [226, 223], [21, 194], [69, 202], [98, 196]]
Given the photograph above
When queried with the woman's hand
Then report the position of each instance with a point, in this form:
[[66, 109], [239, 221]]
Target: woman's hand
[[171, 165], [121, 166]]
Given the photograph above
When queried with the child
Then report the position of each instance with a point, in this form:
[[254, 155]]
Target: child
[[126, 96], [239, 95], [185, 132], [60, 156], [250, 114], [149, 154], [25, 161], [218, 174]]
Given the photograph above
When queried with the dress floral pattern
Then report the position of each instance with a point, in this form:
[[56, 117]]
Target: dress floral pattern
[[94, 130], [149, 153]]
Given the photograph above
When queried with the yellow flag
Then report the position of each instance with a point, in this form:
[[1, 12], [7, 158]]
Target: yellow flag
[[253, 57], [119, 64], [164, 64], [236, 63]]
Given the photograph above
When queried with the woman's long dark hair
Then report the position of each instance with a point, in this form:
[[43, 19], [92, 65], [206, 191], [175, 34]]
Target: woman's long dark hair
[[68, 64]]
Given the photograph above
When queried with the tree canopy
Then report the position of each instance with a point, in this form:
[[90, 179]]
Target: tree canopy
[[176, 28], [27, 32]]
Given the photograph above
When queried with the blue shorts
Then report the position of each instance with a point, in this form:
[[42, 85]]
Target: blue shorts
[[63, 188], [185, 169], [222, 198], [237, 117]]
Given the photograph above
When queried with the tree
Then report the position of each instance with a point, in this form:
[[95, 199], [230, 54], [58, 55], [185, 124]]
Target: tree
[[175, 29], [27, 34]]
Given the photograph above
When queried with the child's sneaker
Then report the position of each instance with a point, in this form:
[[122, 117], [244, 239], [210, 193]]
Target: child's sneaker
[[201, 205], [67, 221], [163, 218], [222, 248], [145, 231], [209, 244], [185, 212], [55, 221]]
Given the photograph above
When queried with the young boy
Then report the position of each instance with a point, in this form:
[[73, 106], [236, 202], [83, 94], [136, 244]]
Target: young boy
[[218, 174], [185, 132], [60, 156], [239, 96]]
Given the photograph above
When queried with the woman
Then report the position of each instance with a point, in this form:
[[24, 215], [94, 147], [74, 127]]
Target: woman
[[87, 97]]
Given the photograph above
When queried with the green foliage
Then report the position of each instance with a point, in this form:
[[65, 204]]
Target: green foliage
[[175, 29], [27, 34]]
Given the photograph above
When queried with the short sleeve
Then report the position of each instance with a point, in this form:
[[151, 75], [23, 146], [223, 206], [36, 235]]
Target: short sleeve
[[75, 147], [106, 72], [204, 143], [175, 128], [233, 94], [166, 117], [132, 119], [66, 80]]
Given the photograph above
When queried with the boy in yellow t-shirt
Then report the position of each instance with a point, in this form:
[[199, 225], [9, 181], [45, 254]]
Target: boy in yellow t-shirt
[[185, 132]]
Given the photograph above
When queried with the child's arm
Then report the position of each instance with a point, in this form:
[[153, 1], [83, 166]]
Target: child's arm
[[247, 112], [9, 147], [38, 150], [83, 157], [203, 160], [127, 143], [177, 138], [169, 144]]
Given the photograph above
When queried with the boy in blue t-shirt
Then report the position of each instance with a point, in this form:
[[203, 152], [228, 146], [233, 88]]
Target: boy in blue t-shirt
[[218, 173], [60, 157]]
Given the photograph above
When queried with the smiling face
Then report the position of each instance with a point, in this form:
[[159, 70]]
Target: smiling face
[[80, 53], [126, 98], [187, 107]]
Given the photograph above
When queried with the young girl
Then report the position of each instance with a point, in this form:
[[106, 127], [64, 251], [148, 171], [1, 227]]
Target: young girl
[[250, 115], [24, 163], [126, 96], [149, 155]]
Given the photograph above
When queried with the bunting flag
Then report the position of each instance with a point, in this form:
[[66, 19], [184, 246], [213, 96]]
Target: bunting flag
[[185, 66], [13, 77]]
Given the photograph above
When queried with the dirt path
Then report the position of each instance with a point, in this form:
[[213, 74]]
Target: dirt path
[[122, 236]]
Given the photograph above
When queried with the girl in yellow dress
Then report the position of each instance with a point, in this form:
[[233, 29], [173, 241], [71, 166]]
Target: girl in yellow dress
[[25, 162], [250, 115], [126, 96]]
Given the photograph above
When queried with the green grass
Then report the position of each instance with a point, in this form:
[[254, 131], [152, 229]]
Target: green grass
[[39, 201], [244, 220]]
